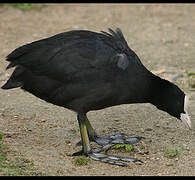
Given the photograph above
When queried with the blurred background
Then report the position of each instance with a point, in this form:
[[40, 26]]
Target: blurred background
[[162, 35]]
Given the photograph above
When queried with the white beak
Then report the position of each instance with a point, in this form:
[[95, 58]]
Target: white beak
[[186, 120], [184, 116]]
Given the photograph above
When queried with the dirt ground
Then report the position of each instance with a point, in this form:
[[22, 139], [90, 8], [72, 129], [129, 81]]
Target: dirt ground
[[163, 36]]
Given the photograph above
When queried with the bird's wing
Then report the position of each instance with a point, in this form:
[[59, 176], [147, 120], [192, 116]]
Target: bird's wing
[[63, 55], [58, 56]]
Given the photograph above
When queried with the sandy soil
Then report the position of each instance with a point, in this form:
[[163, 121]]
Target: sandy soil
[[162, 36]]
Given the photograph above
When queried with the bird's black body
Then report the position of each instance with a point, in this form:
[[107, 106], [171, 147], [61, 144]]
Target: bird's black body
[[83, 71], [77, 70]]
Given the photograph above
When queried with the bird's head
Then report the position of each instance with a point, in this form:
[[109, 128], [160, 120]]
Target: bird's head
[[174, 101]]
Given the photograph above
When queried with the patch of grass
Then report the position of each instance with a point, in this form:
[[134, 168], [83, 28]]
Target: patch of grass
[[24, 6], [3, 157], [82, 161], [1, 136], [191, 79], [171, 153], [190, 74], [127, 147], [19, 166], [12, 165]]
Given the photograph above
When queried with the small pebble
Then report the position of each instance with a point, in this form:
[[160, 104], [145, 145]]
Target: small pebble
[[1, 119], [169, 164], [177, 77], [157, 125], [186, 44], [43, 120], [142, 130], [148, 129]]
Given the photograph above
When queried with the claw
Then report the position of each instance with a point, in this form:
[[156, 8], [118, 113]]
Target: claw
[[131, 159], [78, 153], [79, 143]]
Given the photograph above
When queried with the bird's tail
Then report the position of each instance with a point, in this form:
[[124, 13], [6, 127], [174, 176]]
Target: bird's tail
[[15, 79]]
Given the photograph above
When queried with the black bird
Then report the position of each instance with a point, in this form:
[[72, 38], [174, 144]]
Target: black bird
[[83, 71]]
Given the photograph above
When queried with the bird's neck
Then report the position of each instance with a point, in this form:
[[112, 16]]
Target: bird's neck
[[158, 91]]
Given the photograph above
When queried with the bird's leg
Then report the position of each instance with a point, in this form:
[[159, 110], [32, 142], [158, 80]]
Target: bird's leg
[[84, 134], [91, 132], [93, 153]]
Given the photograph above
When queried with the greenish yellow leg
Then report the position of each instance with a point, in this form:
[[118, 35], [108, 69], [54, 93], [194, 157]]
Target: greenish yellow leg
[[85, 138], [91, 131]]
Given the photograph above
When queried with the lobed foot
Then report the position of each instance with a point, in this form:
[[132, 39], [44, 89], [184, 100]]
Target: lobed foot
[[115, 160], [106, 142], [111, 159]]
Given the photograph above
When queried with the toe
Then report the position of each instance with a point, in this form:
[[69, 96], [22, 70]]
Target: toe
[[115, 160], [133, 139], [78, 153]]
